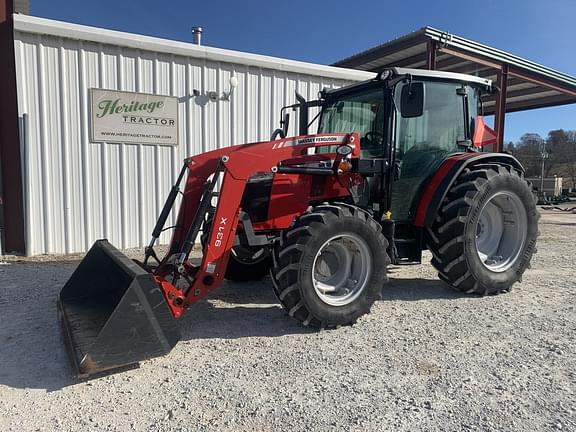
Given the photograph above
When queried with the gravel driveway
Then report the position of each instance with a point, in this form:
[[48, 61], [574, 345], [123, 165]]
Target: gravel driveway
[[426, 359]]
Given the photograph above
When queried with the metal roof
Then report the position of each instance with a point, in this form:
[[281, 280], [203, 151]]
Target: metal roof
[[43, 26], [529, 85]]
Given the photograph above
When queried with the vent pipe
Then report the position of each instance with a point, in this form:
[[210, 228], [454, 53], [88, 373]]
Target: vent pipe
[[197, 33]]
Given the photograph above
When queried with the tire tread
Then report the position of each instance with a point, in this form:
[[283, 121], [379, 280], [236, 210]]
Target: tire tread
[[446, 237], [288, 252]]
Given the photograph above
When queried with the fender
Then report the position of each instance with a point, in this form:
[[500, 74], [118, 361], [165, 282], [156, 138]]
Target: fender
[[440, 183]]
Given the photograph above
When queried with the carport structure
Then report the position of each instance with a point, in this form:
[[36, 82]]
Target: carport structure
[[523, 84]]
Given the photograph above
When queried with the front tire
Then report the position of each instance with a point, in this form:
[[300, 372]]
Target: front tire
[[330, 266], [485, 233]]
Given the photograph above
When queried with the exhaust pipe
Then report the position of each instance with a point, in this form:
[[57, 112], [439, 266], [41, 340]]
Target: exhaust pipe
[[197, 34], [303, 115]]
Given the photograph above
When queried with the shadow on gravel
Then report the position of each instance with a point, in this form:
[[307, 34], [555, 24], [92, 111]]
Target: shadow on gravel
[[32, 353], [419, 289], [559, 223], [237, 310], [208, 321], [253, 292]]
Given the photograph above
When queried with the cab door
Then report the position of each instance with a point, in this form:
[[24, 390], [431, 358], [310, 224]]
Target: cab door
[[424, 141]]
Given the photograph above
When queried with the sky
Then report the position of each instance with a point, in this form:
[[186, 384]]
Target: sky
[[326, 31]]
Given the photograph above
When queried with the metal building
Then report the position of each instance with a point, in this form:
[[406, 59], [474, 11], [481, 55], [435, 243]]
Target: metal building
[[59, 191], [76, 191]]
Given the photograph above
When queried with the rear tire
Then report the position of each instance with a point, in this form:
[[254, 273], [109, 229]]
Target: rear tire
[[330, 266], [246, 263], [242, 268], [485, 233]]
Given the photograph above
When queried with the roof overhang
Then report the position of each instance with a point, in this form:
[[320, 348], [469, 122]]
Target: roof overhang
[[436, 74], [416, 73], [528, 85]]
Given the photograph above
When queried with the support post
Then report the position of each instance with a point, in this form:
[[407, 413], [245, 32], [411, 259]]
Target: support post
[[500, 112], [11, 194], [431, 55]]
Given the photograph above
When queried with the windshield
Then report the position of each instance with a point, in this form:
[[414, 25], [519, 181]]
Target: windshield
[[361, 112]]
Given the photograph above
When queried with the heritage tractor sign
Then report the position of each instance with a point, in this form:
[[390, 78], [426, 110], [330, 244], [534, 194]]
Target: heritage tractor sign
[[126, 117]]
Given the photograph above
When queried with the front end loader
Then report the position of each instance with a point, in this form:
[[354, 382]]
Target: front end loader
[[394, 169], [116, 311]]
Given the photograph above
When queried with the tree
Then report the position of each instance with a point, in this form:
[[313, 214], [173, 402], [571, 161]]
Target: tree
[[560, 145], [571, 157], [509, 147], [529, 151], [558, 148]]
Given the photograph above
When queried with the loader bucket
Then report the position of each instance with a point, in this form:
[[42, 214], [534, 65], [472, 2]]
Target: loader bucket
[[113, 313]]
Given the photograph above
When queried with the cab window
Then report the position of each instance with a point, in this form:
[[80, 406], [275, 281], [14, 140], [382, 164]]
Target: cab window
[[441, 124], [359, 112]]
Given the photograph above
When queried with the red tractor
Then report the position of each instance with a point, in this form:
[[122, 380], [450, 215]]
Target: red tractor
[[394, 169]]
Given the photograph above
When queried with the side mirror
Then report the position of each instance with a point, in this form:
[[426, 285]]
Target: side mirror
[[412, 100]]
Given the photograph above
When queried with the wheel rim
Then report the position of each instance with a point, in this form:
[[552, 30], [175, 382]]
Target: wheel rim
[[341, 269], [501, 231]]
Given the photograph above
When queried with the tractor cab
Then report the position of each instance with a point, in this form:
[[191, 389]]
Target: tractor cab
[[414, 119]]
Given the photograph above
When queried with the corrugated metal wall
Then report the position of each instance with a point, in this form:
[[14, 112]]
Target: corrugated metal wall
[[78, 191]]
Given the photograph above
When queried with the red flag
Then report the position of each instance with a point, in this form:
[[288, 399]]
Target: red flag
[[483, 134]]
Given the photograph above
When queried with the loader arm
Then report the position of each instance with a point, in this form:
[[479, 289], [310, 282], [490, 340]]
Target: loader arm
[[235, 165]]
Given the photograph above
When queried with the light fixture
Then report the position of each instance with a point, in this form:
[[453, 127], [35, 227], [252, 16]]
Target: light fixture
[[214, 97], [233, 85]]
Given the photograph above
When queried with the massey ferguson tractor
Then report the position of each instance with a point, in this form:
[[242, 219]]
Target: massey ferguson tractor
[[395, 168]]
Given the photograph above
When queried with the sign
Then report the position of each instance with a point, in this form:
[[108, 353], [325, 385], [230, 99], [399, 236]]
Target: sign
[[128, 117]]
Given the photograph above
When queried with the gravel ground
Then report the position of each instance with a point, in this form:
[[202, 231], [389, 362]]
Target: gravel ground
[[426, 358]]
